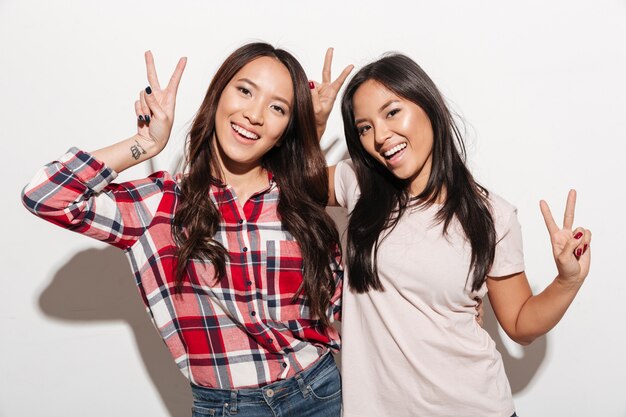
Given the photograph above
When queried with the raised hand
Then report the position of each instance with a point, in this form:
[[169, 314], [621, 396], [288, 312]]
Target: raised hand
[[325, 93], [571, 248], [155, 108]]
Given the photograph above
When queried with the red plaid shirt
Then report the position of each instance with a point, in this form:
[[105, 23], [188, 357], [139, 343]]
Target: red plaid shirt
[[244, 330]]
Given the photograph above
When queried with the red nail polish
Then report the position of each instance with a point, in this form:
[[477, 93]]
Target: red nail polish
[[579, 252], [578, 235], [585, 248], [311, 85]]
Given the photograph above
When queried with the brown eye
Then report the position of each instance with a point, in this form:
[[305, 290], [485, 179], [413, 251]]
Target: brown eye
[[278, 109]]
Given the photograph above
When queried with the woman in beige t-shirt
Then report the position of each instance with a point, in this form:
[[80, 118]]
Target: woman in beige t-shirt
[[425, 241]]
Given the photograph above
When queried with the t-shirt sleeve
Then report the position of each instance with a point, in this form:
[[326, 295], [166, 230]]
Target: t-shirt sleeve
[[346, 185], [509, 256]]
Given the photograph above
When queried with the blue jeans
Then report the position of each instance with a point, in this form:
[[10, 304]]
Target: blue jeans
[[315, 392]]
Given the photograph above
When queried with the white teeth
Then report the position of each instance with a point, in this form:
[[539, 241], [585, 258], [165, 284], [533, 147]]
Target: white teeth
[[394, 150], [244, 132]]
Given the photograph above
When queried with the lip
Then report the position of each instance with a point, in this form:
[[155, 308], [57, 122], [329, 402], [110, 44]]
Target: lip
[[397, 159], [241, 138], [387, 147]]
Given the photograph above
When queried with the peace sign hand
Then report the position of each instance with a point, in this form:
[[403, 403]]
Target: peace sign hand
[[325, 93], [570, 248], [155, 107]]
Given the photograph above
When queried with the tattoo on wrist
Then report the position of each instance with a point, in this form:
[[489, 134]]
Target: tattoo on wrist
[[136, 150]]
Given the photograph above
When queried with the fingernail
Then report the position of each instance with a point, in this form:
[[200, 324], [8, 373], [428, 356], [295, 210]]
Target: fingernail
[[311, 85], [148, 90], [579, 252], [585, 248], [141, 118], [578, 235], [147, 119]]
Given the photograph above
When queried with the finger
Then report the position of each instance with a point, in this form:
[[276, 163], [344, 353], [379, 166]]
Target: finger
[[153, 80], [328, 62], [315, 97], [547, 218], [579, 234], [139, 111], [154, 106], [145, 109], [342, 77], [586, 240], [572, 244], [568, 218], [172, 85]]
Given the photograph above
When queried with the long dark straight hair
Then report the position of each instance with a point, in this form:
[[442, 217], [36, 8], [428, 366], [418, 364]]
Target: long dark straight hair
[[299, 169], [384, 198]]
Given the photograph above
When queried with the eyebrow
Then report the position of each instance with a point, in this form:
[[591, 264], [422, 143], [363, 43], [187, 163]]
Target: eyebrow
[[253, 84], [385, 105]]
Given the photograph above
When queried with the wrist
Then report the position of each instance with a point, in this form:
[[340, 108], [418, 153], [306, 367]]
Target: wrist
[[568, 283], [142, 148], [320, 128]]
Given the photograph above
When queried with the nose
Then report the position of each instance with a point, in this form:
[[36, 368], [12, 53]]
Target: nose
[[381, 133], [254, 112]]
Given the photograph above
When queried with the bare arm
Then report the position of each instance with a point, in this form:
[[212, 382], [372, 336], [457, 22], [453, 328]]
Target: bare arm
[[525, 316]]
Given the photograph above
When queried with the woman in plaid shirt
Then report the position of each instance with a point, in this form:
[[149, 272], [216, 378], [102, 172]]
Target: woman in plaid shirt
[[236, 260]]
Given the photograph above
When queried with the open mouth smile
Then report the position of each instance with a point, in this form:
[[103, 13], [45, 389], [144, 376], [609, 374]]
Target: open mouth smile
[[245, 133], [394, 151]]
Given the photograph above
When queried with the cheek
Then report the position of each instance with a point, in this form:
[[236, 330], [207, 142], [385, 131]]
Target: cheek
[[368, 144], [276, 126]]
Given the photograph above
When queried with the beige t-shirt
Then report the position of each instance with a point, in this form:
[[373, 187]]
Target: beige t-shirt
[[416, 349]]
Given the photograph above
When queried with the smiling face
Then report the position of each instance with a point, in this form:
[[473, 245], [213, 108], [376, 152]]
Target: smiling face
[[396, 132], [252, 114]]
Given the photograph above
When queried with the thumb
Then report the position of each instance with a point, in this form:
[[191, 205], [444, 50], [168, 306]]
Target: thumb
[[572, 243]]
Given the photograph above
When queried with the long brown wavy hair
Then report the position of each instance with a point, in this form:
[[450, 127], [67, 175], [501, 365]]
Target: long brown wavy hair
[[299, 169]]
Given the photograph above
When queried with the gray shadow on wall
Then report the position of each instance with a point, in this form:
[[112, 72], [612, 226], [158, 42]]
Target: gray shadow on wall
[[520, 371], [98, 285]]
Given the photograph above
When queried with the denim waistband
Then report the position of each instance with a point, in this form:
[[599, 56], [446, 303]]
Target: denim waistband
[[268, 393]]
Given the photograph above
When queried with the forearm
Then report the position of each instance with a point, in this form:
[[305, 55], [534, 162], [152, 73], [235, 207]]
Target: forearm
[[541, 312], [126, 153]]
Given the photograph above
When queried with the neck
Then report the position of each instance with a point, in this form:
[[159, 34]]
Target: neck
[[245, 179]]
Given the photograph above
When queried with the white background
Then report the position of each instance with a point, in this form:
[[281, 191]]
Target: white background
[[540, 84]]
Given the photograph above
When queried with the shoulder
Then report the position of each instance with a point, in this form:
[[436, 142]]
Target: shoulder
[[346, 184], [500, 208], [504, 215], [345, 174]]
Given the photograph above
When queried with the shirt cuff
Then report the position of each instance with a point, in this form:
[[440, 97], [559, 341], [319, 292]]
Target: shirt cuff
[[87, 169]]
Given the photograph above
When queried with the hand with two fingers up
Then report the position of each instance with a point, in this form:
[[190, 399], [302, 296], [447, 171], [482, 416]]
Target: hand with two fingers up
[[570, 247], [155, 107], [324, 94]]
